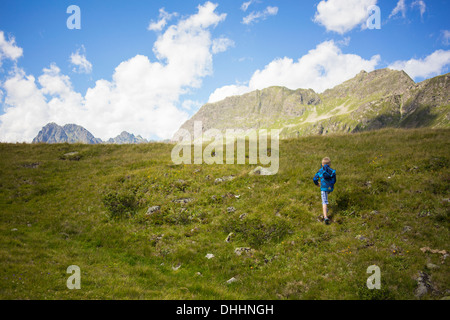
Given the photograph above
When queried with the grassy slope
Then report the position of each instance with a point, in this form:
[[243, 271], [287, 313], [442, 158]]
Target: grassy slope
[[61, 220]]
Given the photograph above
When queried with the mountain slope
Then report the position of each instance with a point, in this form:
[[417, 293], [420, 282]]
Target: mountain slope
[[382, 98]]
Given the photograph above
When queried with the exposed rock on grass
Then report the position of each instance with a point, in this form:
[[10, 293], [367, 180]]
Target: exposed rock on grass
[[153, 210], [224, 179]]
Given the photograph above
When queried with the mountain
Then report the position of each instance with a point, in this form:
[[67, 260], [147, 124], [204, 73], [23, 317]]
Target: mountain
[[72, 133], [382, 98], [127, 138]]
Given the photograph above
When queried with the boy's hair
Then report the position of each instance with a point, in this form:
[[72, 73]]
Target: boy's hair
[[326, 160]]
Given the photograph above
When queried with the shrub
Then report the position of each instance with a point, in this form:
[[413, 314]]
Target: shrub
[[120, 204]]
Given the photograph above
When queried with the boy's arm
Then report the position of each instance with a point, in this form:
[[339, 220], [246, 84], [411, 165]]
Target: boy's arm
[[316, 179]]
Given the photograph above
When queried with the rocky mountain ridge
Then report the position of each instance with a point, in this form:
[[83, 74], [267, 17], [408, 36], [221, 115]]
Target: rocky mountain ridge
[[369, 101], [72, 133]]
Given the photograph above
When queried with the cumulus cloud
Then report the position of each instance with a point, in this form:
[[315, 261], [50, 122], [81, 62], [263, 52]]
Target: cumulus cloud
[[9, 49], [432, 65], [164, 18], [342, 16], [141, 98], [399, 8], [81, 64], [256, 16], [320, 69]]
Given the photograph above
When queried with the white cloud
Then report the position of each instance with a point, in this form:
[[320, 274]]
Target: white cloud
[[9, 49], [221, 44], [446, 37], [245, 5], [227, 91], [422, 6], [191, 105], [321, 68], [255, 16], [400, 8], [432, 65], [164, 17], [342, 16], [82, 65], [141, 98]]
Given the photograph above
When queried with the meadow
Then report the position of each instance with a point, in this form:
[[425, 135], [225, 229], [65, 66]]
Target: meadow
[[390, 208]]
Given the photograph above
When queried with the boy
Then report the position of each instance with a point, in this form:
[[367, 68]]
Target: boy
[[327, 178]]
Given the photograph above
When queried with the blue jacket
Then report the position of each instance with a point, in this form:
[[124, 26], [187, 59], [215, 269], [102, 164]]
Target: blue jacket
[[327, 178]]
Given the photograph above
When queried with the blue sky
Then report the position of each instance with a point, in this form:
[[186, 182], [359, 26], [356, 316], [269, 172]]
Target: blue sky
[[127, 70]]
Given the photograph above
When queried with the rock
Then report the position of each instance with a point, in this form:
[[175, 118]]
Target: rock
[[424, 285], [198, 274], [73, 156], [432, 266], [442, 252], [231, 280], [209, 256], [176, 267], [33, 165], [223, 179], [231, 209], [153, 210], [241, 250], [242, 216], [228, 239], [194, 230], [183, 200], [407, 229], [14, 229], [260, 171]]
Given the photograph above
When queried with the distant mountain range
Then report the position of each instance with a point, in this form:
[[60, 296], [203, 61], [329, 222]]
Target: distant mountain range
[[72, 133], [379, 99]]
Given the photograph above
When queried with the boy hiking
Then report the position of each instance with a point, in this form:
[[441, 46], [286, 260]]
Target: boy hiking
[[327, 178]]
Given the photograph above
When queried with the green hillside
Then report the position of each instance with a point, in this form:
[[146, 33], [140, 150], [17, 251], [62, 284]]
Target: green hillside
[[390, 208]]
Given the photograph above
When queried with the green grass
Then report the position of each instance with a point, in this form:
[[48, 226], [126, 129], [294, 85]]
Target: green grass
[[392, 188]]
